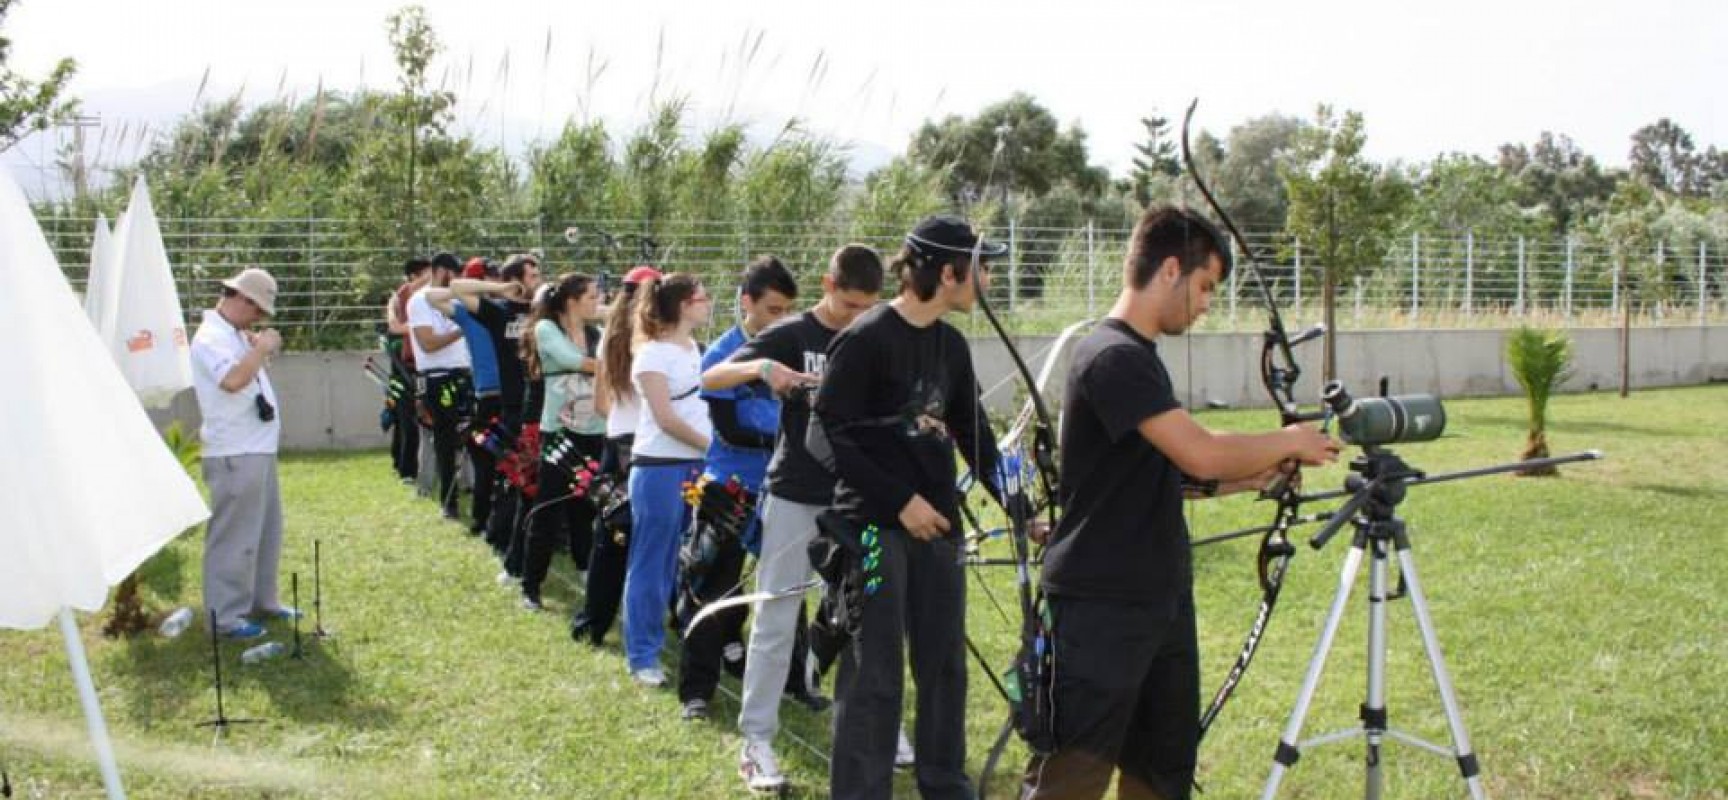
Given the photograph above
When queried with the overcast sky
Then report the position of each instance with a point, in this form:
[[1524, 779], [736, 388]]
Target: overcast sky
[[1430, 77]]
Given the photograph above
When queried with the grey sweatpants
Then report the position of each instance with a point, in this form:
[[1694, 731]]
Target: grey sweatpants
[[787, 529], [243, 542]]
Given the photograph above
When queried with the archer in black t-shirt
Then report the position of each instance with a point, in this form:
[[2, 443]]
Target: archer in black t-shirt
[[898, 397], [1117, 569]]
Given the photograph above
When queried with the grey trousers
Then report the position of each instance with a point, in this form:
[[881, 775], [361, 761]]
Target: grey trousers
[[243, 542], [787, 529]]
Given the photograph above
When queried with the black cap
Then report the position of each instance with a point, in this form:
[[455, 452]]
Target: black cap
[[415, 265], [951, 234], [447, 260]]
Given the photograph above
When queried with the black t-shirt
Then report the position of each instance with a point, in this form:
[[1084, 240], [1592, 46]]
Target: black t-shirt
[[505, 320], [896, 402], [1122, 536], [800, 343]]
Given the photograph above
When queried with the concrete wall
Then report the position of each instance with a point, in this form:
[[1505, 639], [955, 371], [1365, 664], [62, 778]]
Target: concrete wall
[[1224, 368], [328, 402]]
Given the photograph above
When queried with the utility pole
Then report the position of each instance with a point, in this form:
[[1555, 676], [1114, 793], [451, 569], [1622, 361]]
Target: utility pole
[[80, 176]]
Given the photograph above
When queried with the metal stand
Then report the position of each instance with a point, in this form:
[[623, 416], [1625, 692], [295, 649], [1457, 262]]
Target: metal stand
[[222, 720], [318, 630], [1380, 485]]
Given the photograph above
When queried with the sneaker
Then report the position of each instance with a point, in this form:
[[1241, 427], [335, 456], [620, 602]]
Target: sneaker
[[695, 710], [532, 604], [650, 677], [904, 758], [284, 612], [759, 769], [245, 630], [506, 579]]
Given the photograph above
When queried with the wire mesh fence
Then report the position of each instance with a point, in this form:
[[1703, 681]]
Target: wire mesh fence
[[334, 284]]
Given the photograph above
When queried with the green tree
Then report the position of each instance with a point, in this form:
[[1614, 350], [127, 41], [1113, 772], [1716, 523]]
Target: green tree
[[1664, 158], [1556, 180], [1540, 360], [1342, 204], [1157, 162], [27, 105], [1247, 178], [1036, 154]]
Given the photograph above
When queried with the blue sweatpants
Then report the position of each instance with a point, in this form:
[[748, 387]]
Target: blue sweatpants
[[658, 518]]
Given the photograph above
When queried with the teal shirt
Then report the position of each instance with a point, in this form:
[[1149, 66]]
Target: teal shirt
[[569, 391]]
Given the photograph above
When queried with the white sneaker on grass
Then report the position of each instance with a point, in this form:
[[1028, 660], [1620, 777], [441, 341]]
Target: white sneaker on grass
[[904, 758], [650, 677], [759, 769]]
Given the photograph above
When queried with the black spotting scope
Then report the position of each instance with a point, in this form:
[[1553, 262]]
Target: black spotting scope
[[1384, 420]]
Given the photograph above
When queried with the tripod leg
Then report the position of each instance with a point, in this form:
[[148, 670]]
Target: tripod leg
[[1374, 704], [1286, 754], [1467, 764]]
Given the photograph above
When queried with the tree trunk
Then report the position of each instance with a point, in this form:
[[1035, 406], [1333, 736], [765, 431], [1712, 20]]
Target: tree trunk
[[1536, 446]]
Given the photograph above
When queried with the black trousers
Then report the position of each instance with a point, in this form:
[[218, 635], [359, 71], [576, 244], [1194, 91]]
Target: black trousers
[[405, 432], [559, 519], [610, 558], [703, 650], [1126, 694], [506, 512], [486, 409], [449, 396], [920, 607]]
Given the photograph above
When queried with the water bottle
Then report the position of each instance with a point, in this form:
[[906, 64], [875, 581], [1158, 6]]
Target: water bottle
[[263, 652], [176, 623]]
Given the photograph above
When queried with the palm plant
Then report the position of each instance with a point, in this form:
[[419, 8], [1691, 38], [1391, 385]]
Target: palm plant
[[1541, 360]]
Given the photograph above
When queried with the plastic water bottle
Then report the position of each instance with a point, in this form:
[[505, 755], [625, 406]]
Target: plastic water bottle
[[263, 652], [176, 623]]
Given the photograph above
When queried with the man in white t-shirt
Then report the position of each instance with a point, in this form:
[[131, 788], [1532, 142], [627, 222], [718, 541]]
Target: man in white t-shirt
[[446, 385], [240, 434]]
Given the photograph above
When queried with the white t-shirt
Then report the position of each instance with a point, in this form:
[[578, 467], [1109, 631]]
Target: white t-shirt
[[231, 426], [421, 314], [683, 370], [621, 421]]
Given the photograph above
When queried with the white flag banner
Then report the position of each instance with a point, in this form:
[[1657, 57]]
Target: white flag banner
[[150, 341], [101, 283], [88, 489]]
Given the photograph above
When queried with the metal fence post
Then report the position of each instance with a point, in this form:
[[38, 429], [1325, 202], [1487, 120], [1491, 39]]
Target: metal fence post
[[312, 263], [1091, 264], [1661, 260], [1703, 281], [1415, 276], [1298, 274], [1571, 269], [1233, 274], [1519, 308], [1614, 294], [1469, 269]]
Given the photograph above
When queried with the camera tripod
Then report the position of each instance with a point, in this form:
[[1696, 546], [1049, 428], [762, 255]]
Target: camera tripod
[[1379, 484]]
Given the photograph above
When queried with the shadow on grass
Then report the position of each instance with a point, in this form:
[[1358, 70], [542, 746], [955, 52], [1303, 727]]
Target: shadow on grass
[[1479, 419], [173, 680], [1684, 492]]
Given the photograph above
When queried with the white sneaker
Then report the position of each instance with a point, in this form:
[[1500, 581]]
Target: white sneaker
[[506, 579], [904, 758], [759, 769], [650, 677]]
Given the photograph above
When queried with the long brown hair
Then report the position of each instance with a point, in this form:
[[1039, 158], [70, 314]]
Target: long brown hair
[[660, 302], [615, 354], [551, 306]]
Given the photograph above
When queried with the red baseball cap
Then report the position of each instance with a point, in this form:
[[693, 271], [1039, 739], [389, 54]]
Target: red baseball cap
[[642, 274], [477, 268]]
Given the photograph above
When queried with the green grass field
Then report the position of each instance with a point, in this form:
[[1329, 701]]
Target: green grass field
[[1583, 619]]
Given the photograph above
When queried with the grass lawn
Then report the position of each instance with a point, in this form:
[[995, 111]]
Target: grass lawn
[[1583, 618]]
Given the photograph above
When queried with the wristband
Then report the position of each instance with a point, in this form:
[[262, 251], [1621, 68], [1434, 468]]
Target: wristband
[[766, 370]]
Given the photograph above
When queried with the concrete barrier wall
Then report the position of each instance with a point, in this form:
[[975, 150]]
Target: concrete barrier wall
[[329, 404]]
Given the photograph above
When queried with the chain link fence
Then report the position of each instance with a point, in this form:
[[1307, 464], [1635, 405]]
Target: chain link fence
[[333, 290]]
